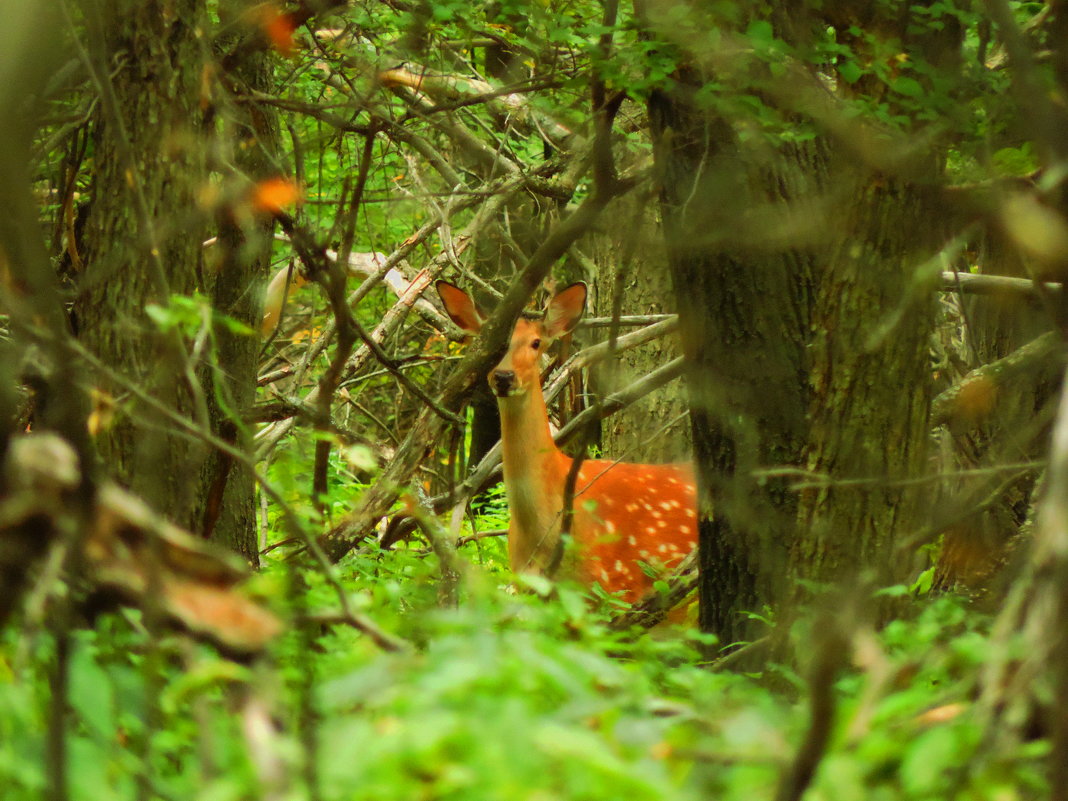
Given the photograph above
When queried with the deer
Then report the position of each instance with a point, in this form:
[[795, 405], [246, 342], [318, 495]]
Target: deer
[[622, 514]]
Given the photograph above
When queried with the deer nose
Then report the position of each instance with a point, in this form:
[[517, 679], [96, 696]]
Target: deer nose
[[502, 382]]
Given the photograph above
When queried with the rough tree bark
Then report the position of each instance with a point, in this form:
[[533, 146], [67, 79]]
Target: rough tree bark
[[743, 325], [629, 254], [143, 238], [150, 214], [806, 346], [236, 282]]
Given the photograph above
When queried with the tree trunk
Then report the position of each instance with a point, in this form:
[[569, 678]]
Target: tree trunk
[[227, 487], [744, 320], [806, 339], [870, 379], [143, 241], [629, 255]]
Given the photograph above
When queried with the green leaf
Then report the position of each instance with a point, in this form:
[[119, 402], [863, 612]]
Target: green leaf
[[923, 583], [893, 591], [929, 758], [233, 325], [538, 584], [760, 32], [89, 768], [91, 693], [162, 317], [907, 86], [1016, 161], [850, 71]]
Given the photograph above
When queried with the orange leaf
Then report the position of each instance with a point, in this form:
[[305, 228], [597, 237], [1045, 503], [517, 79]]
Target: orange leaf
[[278, 26], [941, 714], [274, 194], [976, 399]]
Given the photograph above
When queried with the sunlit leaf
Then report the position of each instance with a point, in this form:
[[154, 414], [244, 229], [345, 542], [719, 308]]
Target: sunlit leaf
[[274, 195]]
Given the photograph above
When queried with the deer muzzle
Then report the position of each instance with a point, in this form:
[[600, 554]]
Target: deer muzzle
[[502, 382]]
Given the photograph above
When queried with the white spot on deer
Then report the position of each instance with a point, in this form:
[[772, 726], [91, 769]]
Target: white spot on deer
[[632, 540]]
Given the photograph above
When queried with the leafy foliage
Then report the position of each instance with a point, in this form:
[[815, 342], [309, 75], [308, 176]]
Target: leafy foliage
[[506, 697], [511, 694]]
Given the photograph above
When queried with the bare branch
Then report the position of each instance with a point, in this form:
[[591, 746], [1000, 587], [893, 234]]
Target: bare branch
[[974, 399], [377, 501], [1002, 285]]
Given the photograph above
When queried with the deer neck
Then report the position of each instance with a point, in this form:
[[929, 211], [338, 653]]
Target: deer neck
[[534, 474]]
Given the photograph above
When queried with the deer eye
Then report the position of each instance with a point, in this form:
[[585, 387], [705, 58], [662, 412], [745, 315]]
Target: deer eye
[[536, 344]]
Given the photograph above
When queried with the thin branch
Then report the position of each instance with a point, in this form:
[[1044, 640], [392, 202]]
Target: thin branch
[[347, 327], [482, 535], [376, 502], [832, 648], [654, 606], [380, 637], [502, 190], [973, 399], [620, 400], [1001, 285], [490, 465], [289, 515]]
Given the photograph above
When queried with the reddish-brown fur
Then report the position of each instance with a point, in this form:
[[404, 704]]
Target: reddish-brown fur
[[623, 513]]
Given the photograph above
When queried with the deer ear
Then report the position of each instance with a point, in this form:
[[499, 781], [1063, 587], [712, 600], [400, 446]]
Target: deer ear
[[459, 306], [565, 310]]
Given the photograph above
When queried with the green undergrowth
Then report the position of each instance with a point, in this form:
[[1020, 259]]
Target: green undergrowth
[[508, 696]]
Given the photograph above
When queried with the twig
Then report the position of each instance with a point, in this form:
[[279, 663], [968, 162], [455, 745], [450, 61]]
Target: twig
[[655, 605], [383, 639], [289, 516], [482, 535], [626, 320], [1034, 359], [830, 653], [970, 284]]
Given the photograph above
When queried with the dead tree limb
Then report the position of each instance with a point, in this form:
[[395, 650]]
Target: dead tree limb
[[425, 431], [967, 403]]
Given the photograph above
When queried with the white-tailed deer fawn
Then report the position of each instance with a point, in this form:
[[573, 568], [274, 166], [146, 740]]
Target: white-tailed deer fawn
[[623, 513]]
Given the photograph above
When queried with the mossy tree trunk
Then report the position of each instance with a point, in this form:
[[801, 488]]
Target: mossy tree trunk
[[806, 336], [236, 281], [629, 255], [153, 201], [144, 239]]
